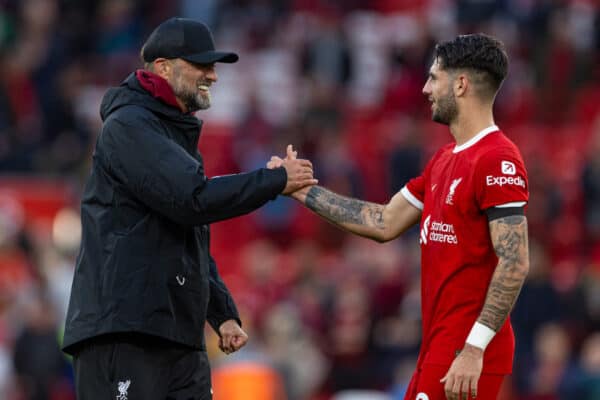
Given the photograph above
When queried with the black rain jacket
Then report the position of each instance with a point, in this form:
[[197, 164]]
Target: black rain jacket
[[144, 265]]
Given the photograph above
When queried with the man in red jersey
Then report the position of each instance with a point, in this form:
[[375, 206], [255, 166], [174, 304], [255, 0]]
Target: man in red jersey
[[470, 200]]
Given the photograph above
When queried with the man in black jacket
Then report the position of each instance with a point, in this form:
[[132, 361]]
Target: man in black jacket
[[145, 282]]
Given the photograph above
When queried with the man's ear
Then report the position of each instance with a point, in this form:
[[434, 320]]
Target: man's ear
[[461, 83], [163, 67]]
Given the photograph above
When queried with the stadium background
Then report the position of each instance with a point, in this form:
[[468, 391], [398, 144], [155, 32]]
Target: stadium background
[[329, 315]]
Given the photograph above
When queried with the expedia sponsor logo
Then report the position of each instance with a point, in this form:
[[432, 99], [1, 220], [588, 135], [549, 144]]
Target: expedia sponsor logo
[[435, 231], [504, 180], [508, 168]]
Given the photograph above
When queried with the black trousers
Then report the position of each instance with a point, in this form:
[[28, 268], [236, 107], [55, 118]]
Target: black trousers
[[140, 367]]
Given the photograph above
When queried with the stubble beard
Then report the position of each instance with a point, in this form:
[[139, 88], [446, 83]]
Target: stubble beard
[[446, 110]]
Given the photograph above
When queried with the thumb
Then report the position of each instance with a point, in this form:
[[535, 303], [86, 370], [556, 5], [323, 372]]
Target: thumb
[[291, 154], [444, 379]]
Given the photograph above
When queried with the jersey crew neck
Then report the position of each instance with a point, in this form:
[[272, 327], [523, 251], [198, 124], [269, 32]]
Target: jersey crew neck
[[483, 133]]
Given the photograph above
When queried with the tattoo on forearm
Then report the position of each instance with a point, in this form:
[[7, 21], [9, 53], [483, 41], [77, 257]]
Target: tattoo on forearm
[[509, 236], [375, 213], [340, 209]]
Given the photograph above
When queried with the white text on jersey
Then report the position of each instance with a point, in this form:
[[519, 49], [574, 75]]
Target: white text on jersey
[[504, 180], [436, 231]]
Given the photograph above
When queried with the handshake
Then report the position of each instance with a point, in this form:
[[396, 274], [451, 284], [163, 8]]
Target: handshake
[[299, 171]]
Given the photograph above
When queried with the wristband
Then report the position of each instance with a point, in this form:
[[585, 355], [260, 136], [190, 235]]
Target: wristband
[[480, 336]]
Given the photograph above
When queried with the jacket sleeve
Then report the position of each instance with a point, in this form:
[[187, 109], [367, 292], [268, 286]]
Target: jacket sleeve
[[221, 306], [162, 175]]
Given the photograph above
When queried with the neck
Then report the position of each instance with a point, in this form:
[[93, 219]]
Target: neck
[[182, 105], [470, 122]]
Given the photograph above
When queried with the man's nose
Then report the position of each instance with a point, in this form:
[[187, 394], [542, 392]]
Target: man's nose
[[426, 90], [211, 75]]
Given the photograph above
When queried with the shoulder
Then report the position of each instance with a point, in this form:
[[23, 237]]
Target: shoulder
[[132, 119], [499, 143], [498, 162], [131, 114], [127, 126], [498, 147]]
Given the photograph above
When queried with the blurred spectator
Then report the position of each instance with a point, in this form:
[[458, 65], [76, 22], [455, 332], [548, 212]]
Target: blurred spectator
[[538, 305], [472, 13], [591, 291], [552, 363], [39, 363], [353, 366], [16, 266], [590, 180], [326, 59], [406, 155], [586, 386], [119, 27], [200, 10], [292, 348]]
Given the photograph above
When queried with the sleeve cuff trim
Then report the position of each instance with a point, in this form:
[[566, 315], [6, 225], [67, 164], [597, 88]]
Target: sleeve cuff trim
[[411, 198]]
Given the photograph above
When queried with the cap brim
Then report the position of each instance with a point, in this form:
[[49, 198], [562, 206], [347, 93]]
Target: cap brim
[[209, 57]]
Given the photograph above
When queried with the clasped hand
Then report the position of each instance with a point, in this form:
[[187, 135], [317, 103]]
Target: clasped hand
[[299, 171]]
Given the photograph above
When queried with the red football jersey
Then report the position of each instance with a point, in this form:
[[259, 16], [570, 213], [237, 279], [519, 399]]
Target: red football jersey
[[457, 256]]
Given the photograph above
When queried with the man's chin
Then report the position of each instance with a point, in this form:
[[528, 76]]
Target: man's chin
[[202, 103], [439, 119], [198, 107]]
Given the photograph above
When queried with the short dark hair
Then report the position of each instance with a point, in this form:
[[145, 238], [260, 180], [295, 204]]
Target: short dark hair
[[480, 53]]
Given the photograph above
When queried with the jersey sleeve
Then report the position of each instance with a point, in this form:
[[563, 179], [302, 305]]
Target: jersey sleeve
[[501, 179], [413, 191]]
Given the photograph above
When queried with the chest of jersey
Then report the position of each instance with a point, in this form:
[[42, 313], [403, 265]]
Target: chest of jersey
[[450, 207]]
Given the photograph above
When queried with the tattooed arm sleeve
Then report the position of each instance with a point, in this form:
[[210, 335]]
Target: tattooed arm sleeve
[[509, 237], [375, 221]]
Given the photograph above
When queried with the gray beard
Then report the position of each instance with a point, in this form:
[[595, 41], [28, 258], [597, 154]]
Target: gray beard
[[193, 101]]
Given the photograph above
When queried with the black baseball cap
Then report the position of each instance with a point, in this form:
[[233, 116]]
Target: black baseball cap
[[187, 39]]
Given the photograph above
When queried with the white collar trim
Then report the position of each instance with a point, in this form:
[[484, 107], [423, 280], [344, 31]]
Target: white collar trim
[[476, 138]]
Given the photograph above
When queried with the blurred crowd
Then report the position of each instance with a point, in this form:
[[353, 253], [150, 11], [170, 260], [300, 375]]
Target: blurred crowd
[[330, 316]]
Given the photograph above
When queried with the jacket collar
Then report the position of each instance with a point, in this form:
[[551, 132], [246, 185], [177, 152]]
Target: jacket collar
[[158, 87]]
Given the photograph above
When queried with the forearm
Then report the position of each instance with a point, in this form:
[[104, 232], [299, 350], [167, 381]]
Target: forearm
[[233, 195], [359, 217], [221, 306], [509, 236]]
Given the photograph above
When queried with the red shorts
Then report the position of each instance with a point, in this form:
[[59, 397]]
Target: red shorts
[[425, 384]]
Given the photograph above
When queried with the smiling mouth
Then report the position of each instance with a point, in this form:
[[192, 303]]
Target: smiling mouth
[[204, 88]]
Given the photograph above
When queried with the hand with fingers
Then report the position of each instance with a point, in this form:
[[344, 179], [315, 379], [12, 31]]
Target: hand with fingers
[[461, 379], [231, 337], [299, 171], [276, 161]]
